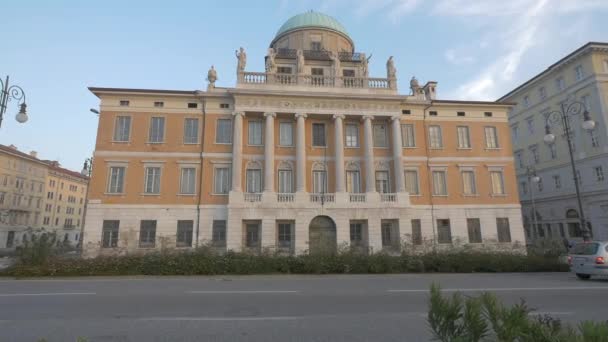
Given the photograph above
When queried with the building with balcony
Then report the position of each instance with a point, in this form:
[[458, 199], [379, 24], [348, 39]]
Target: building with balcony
[[580, 76], [310, 154]]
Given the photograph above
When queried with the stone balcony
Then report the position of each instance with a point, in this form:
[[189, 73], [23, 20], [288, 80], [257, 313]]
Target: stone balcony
[[316, 200]]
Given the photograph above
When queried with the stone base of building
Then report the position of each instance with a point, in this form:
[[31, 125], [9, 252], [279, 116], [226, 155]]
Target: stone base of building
[[240, 220]]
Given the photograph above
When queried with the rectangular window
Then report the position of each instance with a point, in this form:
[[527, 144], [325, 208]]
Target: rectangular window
[[315, 46], [487, 114], [514, 133], [187, 181], [316, 71], [552, 150], [498, 186], [152, 180], [539, 185], [444, 231], [519, 156], [411, 182], [406, 111], [10, 239], [192, 105], [504, 231], [382, 184], [542, 93], [283, 70], [387, 234], [356, 234], [254, 180], [535, 154], [224, 105], [468, 183], [318, 135], [255, 133], [319, 182], [116, 180], [460, 113], [109, 234], [122, 128], [285, 181], [380, 136], [190, 131], [435, 139], [284, 235], [352, 135], [578, 72], [416, 232], [218, 234], [408, 139], [474, 228], [439, 184], [433, 113], [159, 104], [557, 181], [252, 232], [595, 141], [124, 103], [491, 138], [530, 123], [286, 134], [463, 137], [560, 84], [184, 233], [353, 182], [223, 131], [562, 233], [157, 130], [147, 234], [526, 101], [221, 180], [599, 173]]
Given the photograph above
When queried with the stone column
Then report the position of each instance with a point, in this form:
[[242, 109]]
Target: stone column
[[368, 137], [300, 153], [237, 151], [269, 153], [339, 147], [398, 154]]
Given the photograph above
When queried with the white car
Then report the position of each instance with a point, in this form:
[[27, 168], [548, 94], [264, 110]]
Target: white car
[[589, 258]]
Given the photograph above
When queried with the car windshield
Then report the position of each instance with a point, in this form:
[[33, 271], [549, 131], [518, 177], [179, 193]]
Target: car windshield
[[585, 248]]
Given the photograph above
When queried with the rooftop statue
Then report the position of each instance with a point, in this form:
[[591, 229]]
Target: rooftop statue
[[391, 72], [212, 77], [414, 85], [335, 61], [271, 66], [300, 60], [241, 57]]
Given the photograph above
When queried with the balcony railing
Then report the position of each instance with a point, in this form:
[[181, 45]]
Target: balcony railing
[[253, 197], [319, 55], [389, 197], [316, 81], [322, 198], [357, 198], [286, 197]]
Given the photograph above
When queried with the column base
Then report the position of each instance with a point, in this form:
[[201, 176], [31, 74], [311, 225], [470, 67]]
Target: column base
[[302, 198], [341, 197], [372, 197], [403, 198], [269, 197]]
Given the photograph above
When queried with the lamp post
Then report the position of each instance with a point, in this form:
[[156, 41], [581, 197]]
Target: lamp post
[[532, 177], [87, 168], [563, 115], [12, 92]]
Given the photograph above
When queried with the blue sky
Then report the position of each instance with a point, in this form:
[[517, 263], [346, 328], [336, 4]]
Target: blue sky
[[474, 49]]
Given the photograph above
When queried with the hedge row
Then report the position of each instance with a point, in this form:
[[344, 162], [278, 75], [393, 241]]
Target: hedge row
[[204, 263]]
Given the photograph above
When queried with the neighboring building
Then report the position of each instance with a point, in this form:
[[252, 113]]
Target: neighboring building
[[64, 204], [311, 154], [580, 76], [22, 189], [31, 190]]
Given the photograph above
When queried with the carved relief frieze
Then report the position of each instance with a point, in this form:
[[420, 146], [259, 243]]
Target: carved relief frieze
[[325, 106]]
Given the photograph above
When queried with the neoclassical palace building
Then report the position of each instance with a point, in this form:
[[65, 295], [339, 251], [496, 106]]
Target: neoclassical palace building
[[311, 153]]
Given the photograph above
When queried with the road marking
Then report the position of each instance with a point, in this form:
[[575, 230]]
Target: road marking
[[48, 294], [488, 289], [243, 292], [277, 318]]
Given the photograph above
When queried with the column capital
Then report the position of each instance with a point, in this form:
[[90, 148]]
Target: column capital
[[303, 115], [339, 116], [242, 114], [367, 117], [396, 117], [273, 114]]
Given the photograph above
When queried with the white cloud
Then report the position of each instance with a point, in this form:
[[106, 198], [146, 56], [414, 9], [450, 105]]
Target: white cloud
[[458, 58]]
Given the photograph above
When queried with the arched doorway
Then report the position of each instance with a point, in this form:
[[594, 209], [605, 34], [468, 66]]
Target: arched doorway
[[322, 235]]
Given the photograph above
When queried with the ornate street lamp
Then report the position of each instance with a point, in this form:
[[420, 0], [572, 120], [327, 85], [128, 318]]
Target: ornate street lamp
[[563, 115], [533, 177], [12, 92]]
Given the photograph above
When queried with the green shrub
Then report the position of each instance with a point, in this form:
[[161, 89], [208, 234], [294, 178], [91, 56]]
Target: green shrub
[[485, 318], [40, 261]]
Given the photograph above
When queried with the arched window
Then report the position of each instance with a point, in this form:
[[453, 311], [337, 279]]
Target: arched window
[[254, 177], [285, 175], [319, 178], [572, 213]]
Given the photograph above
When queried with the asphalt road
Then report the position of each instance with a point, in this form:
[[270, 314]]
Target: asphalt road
[[267, 308]]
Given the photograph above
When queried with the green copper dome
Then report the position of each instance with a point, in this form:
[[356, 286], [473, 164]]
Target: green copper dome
[[312, 19]]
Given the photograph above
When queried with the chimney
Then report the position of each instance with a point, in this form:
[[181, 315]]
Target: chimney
[[14, 147], [34, 154]]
